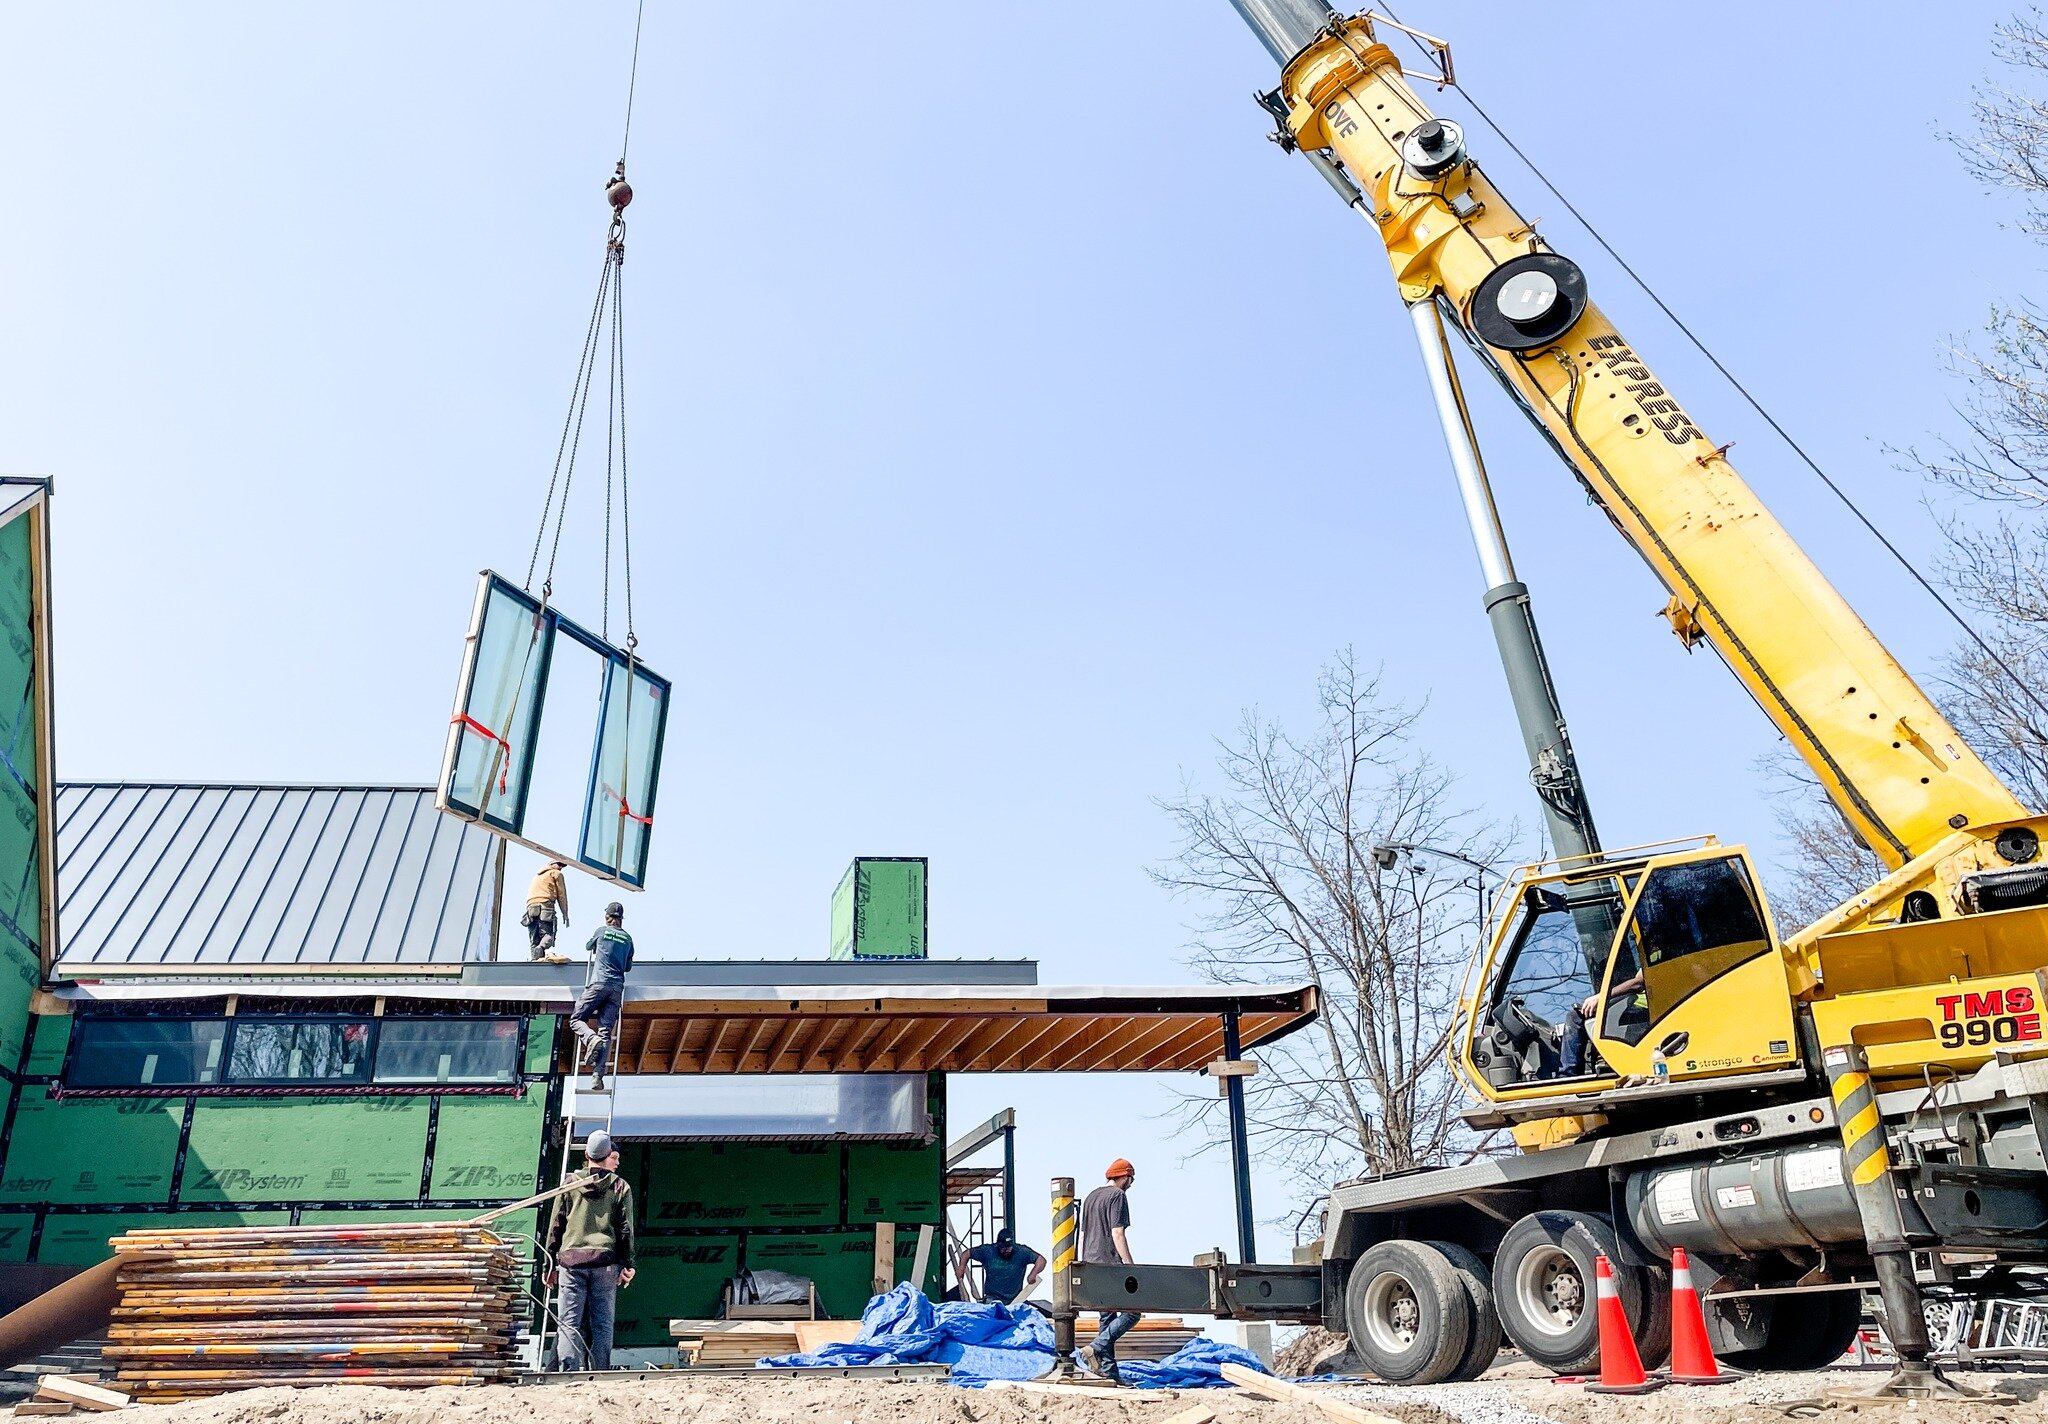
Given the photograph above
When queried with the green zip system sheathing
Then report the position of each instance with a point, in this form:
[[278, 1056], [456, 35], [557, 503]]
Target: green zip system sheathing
[[21, 851], [878, 911], [80, 1169], [709, 1210]]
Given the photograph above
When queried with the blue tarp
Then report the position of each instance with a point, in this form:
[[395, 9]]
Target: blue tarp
[[1195, 1365], [981, 1342], [992, 1342]]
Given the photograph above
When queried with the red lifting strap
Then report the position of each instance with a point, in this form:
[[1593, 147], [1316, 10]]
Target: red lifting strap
[[471, 724], [625, 811]]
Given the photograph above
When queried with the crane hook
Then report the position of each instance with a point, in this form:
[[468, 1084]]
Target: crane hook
[[618, 192]]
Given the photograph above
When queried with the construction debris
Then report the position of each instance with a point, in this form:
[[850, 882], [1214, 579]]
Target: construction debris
[[80, 1392], [202, 1311]]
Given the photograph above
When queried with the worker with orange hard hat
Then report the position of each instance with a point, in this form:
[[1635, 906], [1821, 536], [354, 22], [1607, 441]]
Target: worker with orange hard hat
[[1105, 1227]]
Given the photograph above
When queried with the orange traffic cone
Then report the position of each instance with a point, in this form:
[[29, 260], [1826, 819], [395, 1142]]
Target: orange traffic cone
[[1692, 1356], [1621, 1368]]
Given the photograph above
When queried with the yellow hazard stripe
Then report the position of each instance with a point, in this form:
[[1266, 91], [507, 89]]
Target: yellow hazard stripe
[[1860, 1126], [1872, 1167], [1850, 1083]]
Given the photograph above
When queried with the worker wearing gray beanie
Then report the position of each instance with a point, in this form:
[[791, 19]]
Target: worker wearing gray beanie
[[590, 1251]]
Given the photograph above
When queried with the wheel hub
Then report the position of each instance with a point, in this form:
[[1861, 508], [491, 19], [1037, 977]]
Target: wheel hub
[[1550, 1290], [1393, 1317]]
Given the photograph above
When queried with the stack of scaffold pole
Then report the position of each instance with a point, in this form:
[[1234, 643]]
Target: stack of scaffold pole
[[203, 1311]]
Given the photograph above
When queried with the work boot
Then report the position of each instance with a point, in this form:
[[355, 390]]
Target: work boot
[[1104, 1365], [597, 1082]]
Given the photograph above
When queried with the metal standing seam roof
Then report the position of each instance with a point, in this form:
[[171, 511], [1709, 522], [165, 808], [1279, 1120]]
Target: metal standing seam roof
[[241, 875]]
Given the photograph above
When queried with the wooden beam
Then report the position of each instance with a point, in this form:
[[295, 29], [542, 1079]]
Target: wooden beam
[[1288, 1392], [784, 1041], [1073, 1027], [759, 1032], [682, 1030], [830, 1032], [886, 1048], [849, 1059], [1040, 1030], [885, 1256], [1129, 1042], [994, 1050], [941, 1044], [675, 1053], [986, 1035], [1188, 1049]]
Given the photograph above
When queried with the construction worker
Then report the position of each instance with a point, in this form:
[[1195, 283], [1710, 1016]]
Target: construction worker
[[1004, 1266], [547, 891], [590, 1250], [1105, 1224], [595, 1019]]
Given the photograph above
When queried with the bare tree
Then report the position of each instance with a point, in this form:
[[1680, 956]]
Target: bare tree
[[1993, 521], [1280, 861]]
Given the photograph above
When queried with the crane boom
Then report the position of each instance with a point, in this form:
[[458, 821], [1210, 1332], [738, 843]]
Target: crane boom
[[1899, 772]]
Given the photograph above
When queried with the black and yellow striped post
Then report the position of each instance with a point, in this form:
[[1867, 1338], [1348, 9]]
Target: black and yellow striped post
[[1066, 1241], [1867, 1160]]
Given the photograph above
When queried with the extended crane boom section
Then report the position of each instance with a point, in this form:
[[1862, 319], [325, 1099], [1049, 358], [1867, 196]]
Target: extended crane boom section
[[1898, 771]]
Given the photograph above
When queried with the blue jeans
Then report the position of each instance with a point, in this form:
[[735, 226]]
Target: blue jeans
[[1571, 1048], [603, 1002], [589, 1304], [1112, 1329]]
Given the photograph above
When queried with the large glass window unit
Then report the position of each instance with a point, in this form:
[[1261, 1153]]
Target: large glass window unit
[[464, 1051], [299, 1050], [328, 1053], [144, 1053]]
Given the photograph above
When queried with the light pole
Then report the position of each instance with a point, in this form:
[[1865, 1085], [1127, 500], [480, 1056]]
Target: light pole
[[1387, 854]]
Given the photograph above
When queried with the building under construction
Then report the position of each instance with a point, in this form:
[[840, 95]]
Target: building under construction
[[249, 1004]]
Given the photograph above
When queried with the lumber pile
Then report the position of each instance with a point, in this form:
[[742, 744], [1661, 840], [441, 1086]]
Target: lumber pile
[[1153, 1338], [206, 1310], [728, 1344]]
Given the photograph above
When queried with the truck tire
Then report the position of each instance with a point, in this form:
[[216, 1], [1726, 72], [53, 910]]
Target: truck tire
[[1408, 1313], [1484, 1346], [1653, 1326], [1543, 1286], [1806, 1333]]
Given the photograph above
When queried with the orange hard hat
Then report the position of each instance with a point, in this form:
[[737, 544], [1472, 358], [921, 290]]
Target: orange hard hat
[[1120, 1168]]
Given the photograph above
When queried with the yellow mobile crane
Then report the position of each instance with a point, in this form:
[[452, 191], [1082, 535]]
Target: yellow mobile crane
[[1862, 1103]]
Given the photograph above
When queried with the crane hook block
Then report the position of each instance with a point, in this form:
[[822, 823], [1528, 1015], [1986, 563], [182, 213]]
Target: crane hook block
[[1529, 301], [618, 192]]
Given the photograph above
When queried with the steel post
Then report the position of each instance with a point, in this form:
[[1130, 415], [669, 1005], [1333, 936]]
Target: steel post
[[1553, 768], [1010, 1177], [1240, 1144], [1066, 1237], [1866, 1158]]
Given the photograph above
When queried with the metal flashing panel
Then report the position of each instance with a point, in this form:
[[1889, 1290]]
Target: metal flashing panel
[[228, 875]]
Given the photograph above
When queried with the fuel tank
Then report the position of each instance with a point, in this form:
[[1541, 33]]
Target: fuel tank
[[1760, 1201]]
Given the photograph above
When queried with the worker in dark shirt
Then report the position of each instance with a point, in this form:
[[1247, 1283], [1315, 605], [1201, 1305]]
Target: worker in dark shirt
[[595, 1019], [1007, 1269], [1105, 1224]]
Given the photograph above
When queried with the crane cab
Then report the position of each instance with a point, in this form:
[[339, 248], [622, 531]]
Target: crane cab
[[1620, 970]]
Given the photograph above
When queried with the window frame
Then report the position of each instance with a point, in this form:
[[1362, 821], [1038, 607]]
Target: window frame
[[368, 1085]]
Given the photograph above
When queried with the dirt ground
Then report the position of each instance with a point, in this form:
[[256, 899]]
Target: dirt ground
[[1512, 1395]]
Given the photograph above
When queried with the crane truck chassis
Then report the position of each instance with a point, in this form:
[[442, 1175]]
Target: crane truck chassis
[[1862, 1106], [1790, 1204]]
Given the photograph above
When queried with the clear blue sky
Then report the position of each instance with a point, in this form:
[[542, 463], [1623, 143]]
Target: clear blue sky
[[1008, 415]]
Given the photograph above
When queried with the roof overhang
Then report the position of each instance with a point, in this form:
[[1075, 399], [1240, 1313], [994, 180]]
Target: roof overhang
[[844, 1027]]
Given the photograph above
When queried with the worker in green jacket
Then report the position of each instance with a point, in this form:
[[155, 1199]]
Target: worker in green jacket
[[590, 1251]]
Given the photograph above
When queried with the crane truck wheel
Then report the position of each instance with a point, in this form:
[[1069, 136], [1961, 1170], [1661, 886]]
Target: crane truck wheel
[[1484, 1346], [1543, 1274], [1408, 1313]]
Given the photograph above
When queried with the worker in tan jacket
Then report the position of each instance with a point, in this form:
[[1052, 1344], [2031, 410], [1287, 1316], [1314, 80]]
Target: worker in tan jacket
[[548, 891]]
